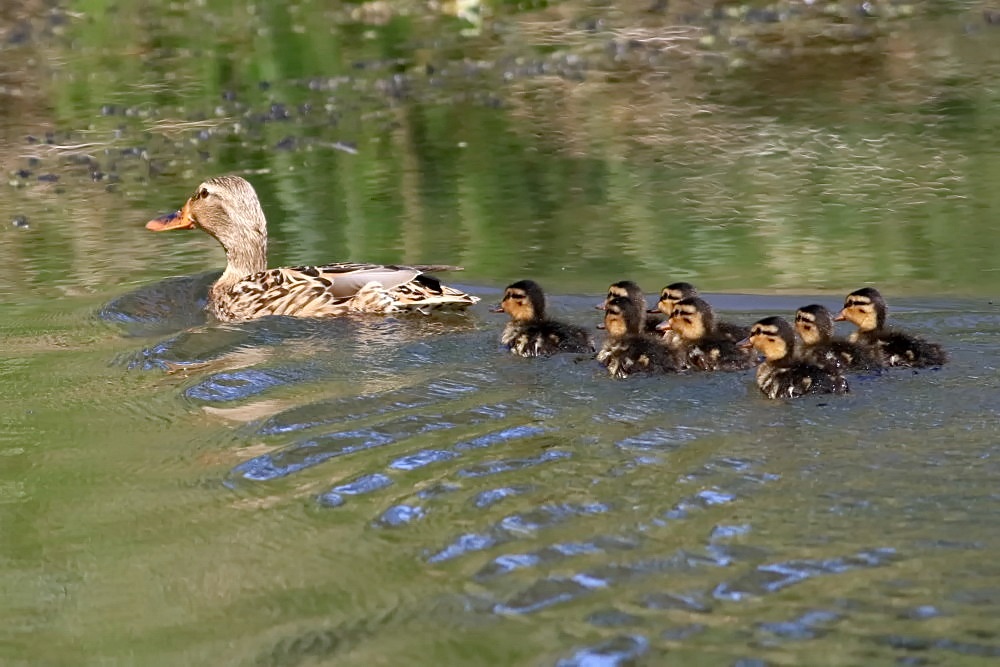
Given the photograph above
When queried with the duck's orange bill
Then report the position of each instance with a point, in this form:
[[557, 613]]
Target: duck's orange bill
[[177, 220]]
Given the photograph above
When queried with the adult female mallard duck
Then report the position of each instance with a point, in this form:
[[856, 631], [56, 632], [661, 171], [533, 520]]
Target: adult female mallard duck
[[228, 209], [530, 333], [703, 345], [814, 324], [628, 349], [674, 292], [627, 289], [867, 309], [783, 375]]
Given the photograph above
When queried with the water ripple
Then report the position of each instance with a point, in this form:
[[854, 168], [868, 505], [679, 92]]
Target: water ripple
[[776, 576], [616, 652]]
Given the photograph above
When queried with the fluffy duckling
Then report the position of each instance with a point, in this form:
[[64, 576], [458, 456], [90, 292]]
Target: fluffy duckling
[[529, 333], [867, 309], [630, 290], [702, 344], [628, 349], [814, 323], [674, 292], [783, 375]]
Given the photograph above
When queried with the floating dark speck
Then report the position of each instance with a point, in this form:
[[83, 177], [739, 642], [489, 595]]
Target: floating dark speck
[[20, 221], [228, 95], [20, 33], [286, 144], [109, 110], [264, 85], [22, 173], [48, 178], [279, 112]]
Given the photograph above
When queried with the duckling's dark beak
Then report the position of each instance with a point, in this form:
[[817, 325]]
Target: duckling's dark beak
[[664, 325], [652, 310], [840, 317], [744, 344], [600, 306], [177, 220], [600, 325], [498, 308]]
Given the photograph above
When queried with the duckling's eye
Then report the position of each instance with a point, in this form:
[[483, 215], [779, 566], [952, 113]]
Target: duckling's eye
[[688, 320]]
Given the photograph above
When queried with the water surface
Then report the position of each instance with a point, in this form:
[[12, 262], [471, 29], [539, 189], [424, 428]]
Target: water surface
[[399, 490]]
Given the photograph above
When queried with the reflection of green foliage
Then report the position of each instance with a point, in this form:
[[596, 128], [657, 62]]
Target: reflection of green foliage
[[515, 159]]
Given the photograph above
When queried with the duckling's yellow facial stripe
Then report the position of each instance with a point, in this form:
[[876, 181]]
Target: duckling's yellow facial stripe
[[687, 322], [516, 304], [768, 342], [614, 322], [805, 324]]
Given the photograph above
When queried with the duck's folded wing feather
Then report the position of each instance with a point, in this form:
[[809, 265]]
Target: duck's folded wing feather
[[335, 289], [346, 279]]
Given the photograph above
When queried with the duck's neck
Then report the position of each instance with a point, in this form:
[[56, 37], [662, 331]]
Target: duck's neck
[[246, 254]]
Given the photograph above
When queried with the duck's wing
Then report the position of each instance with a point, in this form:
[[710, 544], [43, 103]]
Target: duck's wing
[[337, 289]]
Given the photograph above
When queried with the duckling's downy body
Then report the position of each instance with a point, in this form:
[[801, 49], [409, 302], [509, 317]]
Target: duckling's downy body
[[700, 341], [782, 374], [530, 333], [627, 289], [814, 324], [228, 209], [630, 350], [867, 309], [674, 292]]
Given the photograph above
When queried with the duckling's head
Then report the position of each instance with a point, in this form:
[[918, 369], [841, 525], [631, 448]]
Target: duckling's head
[[865, 308], [622, 317], [226, 207], [814, 324], [692, 318], [523, 301], [773, 337], [625, 289], [671, 294]]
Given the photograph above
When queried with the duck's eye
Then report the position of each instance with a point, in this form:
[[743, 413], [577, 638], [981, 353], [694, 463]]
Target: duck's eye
[[202, 193]]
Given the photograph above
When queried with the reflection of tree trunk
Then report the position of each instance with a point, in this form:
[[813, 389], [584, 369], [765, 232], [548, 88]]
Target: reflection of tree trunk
[[21, 71]]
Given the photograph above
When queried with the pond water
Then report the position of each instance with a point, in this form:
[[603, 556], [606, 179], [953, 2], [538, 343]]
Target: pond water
[[398, 490]]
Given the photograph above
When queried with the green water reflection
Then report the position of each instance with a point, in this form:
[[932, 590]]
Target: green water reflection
[[738, 152]]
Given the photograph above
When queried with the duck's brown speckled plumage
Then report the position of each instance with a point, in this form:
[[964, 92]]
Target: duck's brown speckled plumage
[[867, 309], [228, 209], [783, 374], [814, 324], [530, 333], [628, 349]]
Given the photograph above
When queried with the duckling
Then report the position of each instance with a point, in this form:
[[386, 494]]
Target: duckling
[[703, 346], [783, 375], [867, 309], [674, 292], [529, 333], [632, 291], [628, 349], [814, 324]]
